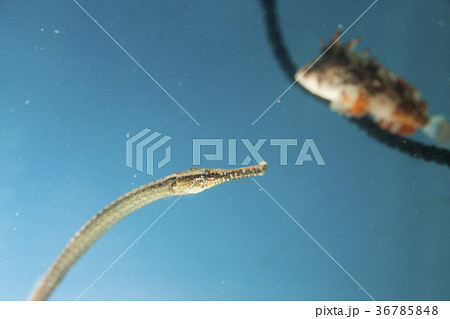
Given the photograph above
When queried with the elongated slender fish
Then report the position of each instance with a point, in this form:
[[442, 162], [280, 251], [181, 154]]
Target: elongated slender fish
[[191, 181]]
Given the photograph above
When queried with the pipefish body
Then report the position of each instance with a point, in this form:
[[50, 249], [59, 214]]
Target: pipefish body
[[191, 181]]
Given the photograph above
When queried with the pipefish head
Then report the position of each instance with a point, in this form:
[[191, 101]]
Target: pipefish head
[[195, 180]]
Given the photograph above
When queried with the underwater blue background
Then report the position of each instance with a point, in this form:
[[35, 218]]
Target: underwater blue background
[[69, 96]]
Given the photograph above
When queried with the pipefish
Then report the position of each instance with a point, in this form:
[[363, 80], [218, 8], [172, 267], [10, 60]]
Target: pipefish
[[191, 181]]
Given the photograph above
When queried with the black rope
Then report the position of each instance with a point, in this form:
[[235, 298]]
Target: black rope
[[413, 148]]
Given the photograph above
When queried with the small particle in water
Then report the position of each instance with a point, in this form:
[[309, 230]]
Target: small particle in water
[[17, 213], [440, 23], [128, 135], [56, 31], [27, 102]]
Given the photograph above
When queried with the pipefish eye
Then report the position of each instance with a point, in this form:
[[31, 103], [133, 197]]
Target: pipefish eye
[[203, 176]]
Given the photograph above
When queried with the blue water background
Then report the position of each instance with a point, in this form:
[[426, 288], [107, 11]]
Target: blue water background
[[69, 96]]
